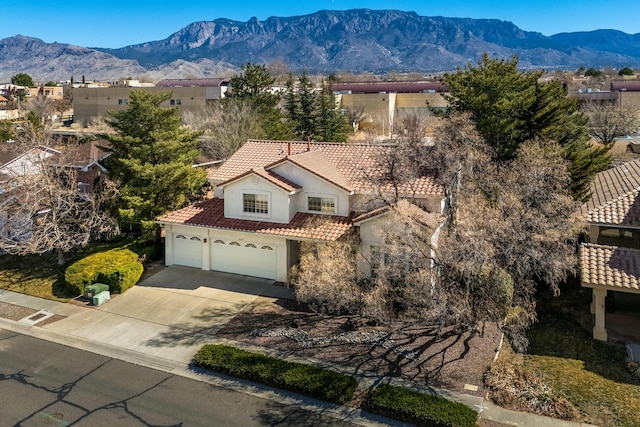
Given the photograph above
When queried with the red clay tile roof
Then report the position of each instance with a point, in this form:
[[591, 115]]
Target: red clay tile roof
[[608, 185], [610, 266], [210, 213], [624, 211], [429, 219], [317, 163], [357, 163], [270, 176]]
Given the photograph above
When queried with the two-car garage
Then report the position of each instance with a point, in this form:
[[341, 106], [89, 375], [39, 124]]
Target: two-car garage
[[231, 254]]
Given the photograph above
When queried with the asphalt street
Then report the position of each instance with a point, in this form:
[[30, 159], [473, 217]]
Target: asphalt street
[[44, 383]]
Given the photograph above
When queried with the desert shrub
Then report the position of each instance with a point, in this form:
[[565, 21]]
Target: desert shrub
[[419, 408], [516, 388], [310, 380], [119, 268]]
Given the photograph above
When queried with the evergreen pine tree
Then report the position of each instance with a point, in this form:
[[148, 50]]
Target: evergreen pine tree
[[510, 107], [152, 159]]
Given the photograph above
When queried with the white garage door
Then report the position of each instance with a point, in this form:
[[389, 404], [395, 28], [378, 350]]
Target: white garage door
[[251, 259], [187, 250]]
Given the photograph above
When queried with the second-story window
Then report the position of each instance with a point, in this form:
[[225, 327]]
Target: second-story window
[[322, 204], [255, 203]]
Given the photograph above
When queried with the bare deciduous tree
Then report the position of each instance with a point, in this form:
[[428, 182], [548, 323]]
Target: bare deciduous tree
[[48, 211], [400, 288], [514, 226], [226, 125], [608, 121], [43, 107], [412, 124], [511, 226], [326, 277]]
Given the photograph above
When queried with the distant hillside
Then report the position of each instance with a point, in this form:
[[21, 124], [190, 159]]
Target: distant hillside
[[382, 40], [57, 62], [326, 41]]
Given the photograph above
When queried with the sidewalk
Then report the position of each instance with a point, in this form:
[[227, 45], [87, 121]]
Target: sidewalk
[[150, 342]]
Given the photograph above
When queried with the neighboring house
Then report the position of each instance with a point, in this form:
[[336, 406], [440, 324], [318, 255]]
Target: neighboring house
[[272, 195], [10, 192], [624, 93], [53, 92], [94, 103], [610, 261], [25, 164], [627, 91], [380, 102], [88, 159]]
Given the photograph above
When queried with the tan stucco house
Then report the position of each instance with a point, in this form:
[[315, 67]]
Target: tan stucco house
[[272, 195], [610, 260]]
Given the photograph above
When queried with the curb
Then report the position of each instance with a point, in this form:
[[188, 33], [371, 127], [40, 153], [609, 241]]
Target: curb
[[343, 413]]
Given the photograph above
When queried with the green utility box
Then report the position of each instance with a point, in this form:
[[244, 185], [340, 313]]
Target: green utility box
[[93, 290], [101, 298]]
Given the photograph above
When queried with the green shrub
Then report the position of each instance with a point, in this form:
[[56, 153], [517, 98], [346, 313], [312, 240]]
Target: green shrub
[[310, 380], [119, 268], [125, 277], [150, 250], [419, 408]]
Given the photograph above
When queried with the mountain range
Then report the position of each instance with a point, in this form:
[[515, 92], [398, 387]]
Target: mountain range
[[326, 41]]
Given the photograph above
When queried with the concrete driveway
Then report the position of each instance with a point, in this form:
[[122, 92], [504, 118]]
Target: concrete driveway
[[171, 314]]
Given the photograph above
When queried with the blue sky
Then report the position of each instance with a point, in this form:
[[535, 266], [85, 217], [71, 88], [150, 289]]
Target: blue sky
[[118, 23]]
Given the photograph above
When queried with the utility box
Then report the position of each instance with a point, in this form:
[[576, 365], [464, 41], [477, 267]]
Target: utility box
[[101, 298], [93, 290]]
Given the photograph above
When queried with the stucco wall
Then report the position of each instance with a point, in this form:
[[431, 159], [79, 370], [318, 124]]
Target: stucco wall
[[279, 210], [315, 186]]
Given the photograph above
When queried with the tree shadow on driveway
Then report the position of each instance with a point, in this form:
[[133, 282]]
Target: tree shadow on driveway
[[199, 329]]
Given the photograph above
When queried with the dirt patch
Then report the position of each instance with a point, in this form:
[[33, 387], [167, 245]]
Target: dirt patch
[[15, 312], [51, 319], [18, 312], [419, 353]]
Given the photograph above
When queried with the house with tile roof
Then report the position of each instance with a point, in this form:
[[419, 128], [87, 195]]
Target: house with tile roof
[[272, 195], [610, 260]]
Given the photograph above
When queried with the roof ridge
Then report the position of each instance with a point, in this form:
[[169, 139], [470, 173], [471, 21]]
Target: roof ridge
[[352, 144]]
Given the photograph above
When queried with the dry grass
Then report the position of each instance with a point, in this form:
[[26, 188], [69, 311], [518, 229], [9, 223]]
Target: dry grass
[[591, 375], [514, 387]]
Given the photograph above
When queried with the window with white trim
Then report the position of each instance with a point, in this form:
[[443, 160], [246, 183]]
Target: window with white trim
[[321, 204], [255, 203]]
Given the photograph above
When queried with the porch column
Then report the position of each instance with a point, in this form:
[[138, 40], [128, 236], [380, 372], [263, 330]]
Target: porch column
[[597, 308]]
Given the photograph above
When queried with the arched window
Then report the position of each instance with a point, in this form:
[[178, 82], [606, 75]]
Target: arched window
[[195, 238], [269, 248], [180, 236], [234, 244], [220, 242], [250, 245]]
